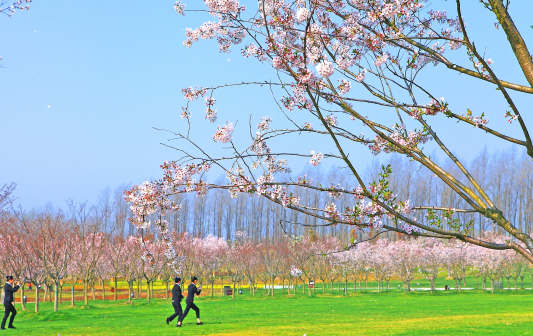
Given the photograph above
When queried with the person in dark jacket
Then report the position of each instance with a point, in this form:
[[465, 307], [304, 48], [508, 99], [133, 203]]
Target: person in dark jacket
[[9, 290], [191, 291], [176, 300]]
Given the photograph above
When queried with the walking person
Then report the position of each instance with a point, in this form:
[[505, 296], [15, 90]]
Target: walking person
[[191, 291], [176, 300], [9, 291]]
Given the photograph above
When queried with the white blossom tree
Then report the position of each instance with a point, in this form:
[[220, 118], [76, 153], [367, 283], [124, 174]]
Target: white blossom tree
[[348, 66]]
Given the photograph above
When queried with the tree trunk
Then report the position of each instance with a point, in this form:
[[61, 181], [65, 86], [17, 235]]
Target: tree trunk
[[85, 293], [23, 306], [103, 290], [346, 286], [56, 296], [72, 295], [45, 292], [116, 289], [147, 291], [233, 292], [36, 298], [130, 290], [273, 280], [492, 286]]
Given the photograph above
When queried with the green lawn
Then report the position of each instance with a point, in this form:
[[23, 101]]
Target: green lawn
[[392, 313]]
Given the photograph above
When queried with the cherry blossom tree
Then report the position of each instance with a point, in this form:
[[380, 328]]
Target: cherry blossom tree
[[271, 256], [343, 64], [324, 266], [235, 262], [405, 254], [132, 253], [252, 261], [116, 253], [304, 254], [456, 259], [33, 265], [362, 265], [11, 257], [343, 262], [52, 245], [150, 269], [432, 259], [518, 266], [210, 253], [88, 243], [381, 261]]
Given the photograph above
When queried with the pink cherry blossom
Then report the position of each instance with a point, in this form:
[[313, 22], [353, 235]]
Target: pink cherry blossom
[[316, 159], [224, 133], [325, 68]]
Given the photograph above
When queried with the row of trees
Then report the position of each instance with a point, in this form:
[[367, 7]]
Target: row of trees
[[55, 252]]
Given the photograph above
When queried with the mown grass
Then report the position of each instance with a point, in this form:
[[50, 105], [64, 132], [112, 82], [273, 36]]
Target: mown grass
[[391, 313]]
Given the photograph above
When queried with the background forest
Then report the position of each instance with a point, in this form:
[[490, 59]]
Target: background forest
[[219, 215]]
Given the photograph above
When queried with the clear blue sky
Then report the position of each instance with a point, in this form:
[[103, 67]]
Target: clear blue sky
[[83, 84]]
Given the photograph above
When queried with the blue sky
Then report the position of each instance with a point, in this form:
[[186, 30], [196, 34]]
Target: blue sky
[[83, 84]]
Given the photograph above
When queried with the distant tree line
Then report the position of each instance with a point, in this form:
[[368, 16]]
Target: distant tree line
[[506, 175]]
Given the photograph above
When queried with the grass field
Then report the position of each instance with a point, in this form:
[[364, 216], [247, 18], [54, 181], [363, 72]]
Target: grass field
[[391, 313]]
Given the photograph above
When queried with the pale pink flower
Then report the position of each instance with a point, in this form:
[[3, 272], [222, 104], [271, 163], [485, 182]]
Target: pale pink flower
[[224, 133], [325, 68], [381, 59], [302, 14], [277, 62], [316, 159]]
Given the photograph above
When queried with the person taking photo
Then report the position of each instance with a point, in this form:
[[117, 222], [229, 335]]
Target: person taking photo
[[9, 291]]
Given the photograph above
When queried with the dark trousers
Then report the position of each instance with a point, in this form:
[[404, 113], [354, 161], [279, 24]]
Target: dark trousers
[[177, 311], [190, 305], [9, 309]]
